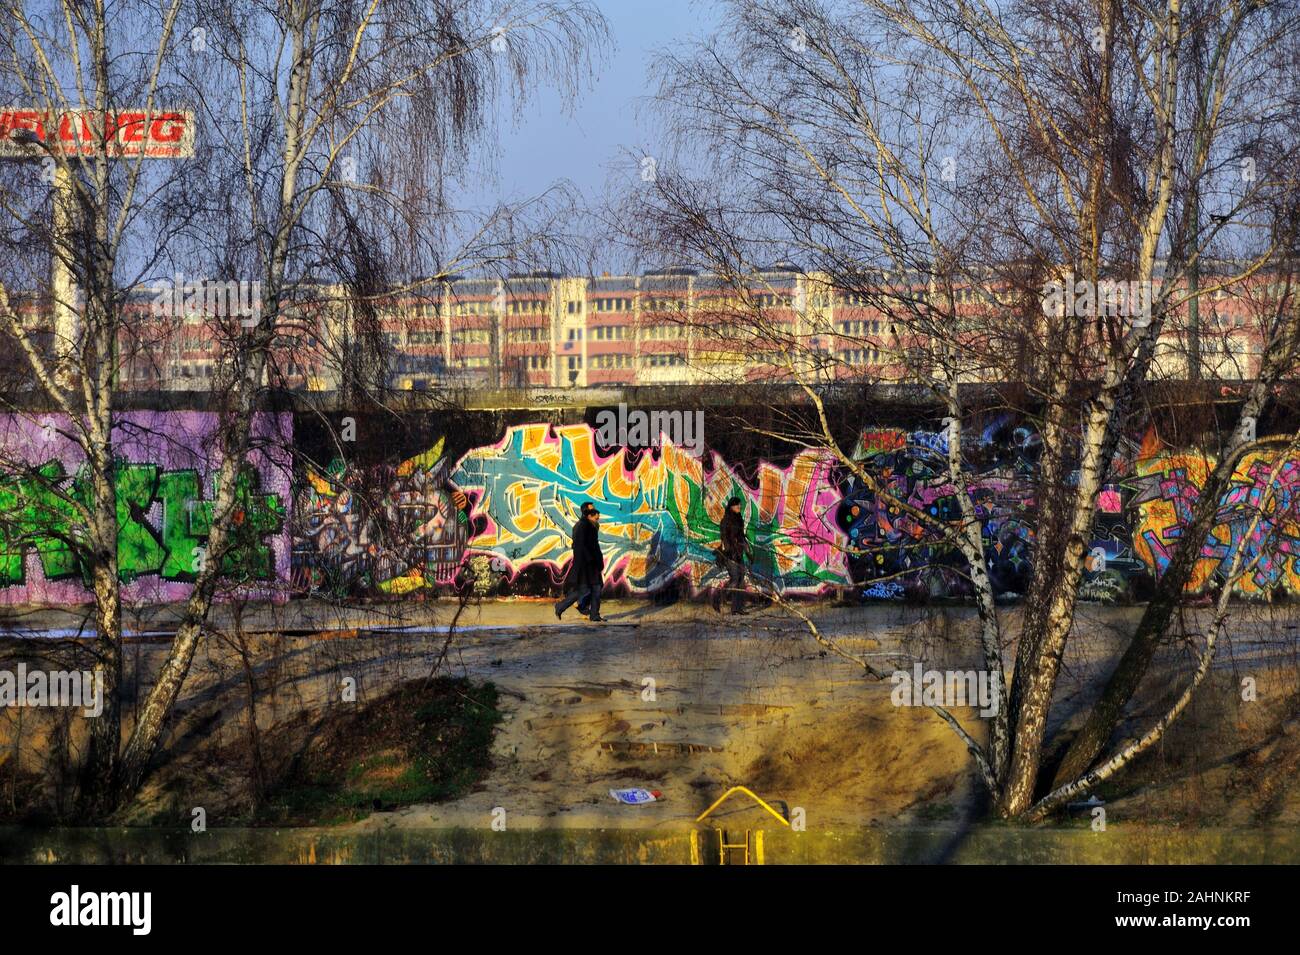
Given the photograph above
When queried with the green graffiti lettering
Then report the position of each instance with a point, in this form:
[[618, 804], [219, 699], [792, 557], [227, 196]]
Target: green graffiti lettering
[[181, 497], [38, 512], [138, 550], [256, 515]]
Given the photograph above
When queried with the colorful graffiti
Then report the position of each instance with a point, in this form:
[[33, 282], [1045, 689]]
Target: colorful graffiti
[[1140, 517], [1169, 486], [496, 518], [508, 508], [386, 530], [892, 551], [660, 515], [164, 486]]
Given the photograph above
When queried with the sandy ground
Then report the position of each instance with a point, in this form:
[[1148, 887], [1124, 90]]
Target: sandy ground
[[689, 703]]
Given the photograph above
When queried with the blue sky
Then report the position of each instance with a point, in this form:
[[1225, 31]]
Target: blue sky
[[551, 143]]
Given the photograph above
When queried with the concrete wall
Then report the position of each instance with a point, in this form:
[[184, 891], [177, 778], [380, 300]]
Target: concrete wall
[[484, 502]]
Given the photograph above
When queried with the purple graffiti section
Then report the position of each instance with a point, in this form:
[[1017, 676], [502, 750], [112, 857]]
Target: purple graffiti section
[[166, 463]]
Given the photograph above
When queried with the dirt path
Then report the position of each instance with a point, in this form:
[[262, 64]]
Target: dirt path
[[675, 699]]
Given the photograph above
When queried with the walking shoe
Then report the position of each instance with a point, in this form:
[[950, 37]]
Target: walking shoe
[[559, 614], [596, 619]]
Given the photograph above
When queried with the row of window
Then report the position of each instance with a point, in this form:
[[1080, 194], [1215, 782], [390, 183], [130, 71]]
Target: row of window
[[662, 361], [663, 305], [475, 308], [659, 333], [861, 327], [626, 361], [860, 356], [192, 370], [537, 306], [960, 296], [541, 306], [483, 336], [471, 336], [611, 305], [410, 312]]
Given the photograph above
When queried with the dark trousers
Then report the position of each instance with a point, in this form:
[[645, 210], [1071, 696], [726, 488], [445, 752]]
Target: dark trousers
[[736, 584], [583, 594]]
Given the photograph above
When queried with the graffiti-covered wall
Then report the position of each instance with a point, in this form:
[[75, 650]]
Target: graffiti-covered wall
[[164, 486], [431, 503], [498, 516], [895, 553], [1139, 517], [659, 517]]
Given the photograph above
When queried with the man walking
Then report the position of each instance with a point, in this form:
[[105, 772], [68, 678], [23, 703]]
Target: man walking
[[734, 549], [584, 605], [586, 571]]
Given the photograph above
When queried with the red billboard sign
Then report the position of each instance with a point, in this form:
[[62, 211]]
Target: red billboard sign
[[127, 133]]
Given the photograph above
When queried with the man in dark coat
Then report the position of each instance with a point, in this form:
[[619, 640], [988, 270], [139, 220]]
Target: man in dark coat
[[587, 570], [570, 580], [733, 548]]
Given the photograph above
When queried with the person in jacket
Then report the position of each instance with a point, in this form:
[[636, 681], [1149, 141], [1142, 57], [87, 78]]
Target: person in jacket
[[584, 605], [587, 569], [734, 548]]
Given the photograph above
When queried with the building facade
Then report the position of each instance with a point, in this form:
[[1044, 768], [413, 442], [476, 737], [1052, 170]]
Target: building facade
[[667, 327]]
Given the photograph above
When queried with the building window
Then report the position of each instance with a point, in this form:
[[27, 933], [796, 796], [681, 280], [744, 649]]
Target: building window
[[663, 361], [663, 332], [611, 305], [471, 336], [860, 356], [528, 307], [860, 327]]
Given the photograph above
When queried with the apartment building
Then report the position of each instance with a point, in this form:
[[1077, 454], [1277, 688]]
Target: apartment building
[[664, 327]]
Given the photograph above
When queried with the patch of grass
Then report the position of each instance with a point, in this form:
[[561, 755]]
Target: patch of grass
[[423, 742], [936, 812]]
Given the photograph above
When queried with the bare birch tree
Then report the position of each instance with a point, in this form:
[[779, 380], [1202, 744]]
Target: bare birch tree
[[323, 113], [335, 138], [76, 249], [944, 164]]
